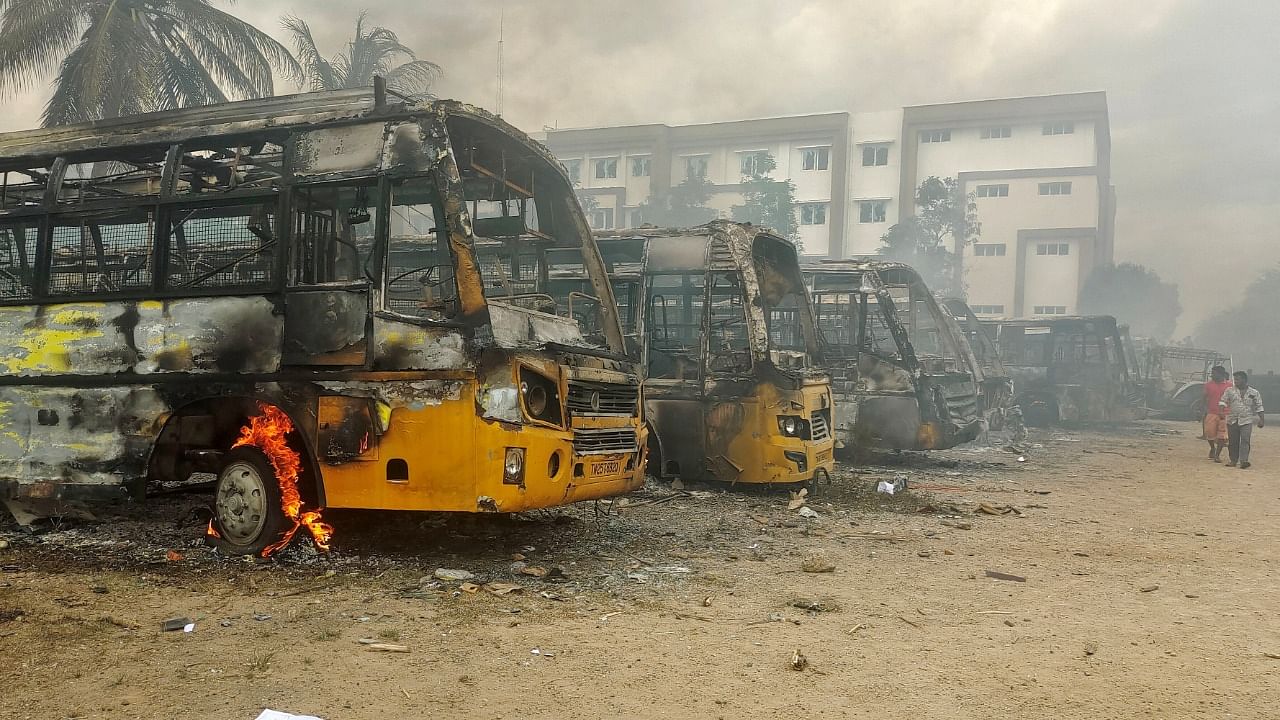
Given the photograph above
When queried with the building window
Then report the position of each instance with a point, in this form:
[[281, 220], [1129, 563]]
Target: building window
[[813, 213], [1053, 249], [574, 168], [635, 217], [872, 211], [815, 158], [1058, 128], [996, 133], [1050, 310], [640, 166], [1055, 188], [695, 167], [993, 191], [987, 309], [753, 162], [935, 136], [602, 219], [606, 168], [875, 155], [989, 249]]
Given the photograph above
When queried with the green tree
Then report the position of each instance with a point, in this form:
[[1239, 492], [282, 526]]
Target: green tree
[[1135, 295], [371, 51], [944, 218], [1250, 330], [684, 205], [768, 203], [123, 57]]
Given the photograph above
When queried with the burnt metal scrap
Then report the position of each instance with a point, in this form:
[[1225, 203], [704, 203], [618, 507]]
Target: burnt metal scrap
[[903, 374], [1069, 369], [375, 269]]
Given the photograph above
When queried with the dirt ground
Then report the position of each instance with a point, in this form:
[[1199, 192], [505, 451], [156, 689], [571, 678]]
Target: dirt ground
[[1149, 591]]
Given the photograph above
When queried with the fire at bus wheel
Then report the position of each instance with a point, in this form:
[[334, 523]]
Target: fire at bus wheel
[[247, 512]]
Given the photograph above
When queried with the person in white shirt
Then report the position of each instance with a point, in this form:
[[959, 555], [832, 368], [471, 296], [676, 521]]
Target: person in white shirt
[[1244, 410]]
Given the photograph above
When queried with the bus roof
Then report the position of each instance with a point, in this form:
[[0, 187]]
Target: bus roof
[[34, 148]]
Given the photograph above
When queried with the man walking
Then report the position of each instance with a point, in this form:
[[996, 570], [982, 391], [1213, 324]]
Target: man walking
[[1215, 416], [1244, 410]]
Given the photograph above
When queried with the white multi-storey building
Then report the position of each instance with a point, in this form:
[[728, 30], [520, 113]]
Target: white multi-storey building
[[1038, 167]]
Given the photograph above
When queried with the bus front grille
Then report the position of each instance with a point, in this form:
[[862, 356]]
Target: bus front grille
[[819, 428], [596, 398], [604, 441]]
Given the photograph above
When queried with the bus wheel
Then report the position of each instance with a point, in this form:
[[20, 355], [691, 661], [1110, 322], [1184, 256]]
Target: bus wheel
[[247, 515]]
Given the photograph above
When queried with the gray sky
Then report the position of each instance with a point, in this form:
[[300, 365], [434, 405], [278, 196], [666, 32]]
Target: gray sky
[[1195, 109]]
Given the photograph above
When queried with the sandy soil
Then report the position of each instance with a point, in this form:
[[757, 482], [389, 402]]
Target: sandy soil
[[1149, 592]]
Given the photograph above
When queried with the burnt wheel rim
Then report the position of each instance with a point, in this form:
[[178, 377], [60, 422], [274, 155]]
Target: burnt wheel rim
[[241, 503]]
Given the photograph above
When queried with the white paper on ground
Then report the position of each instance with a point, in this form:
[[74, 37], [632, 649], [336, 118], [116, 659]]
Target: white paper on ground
[[277, 715], [885, 487]]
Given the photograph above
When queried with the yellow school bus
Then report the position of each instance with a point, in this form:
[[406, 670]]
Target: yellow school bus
[[326, 300], [724, 323]]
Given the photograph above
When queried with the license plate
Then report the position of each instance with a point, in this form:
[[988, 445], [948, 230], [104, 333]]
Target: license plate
[[606, 468], [824, 455]]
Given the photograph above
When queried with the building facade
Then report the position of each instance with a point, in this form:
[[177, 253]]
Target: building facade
[[1039, 169]]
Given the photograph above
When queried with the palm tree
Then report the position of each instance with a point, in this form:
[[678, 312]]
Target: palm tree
[[122, 57], [371, 52]]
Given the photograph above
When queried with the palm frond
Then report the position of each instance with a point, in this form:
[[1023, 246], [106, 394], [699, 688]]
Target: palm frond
[[35, 36]]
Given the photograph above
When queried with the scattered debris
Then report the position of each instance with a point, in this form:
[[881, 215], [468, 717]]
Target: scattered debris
[[175, 623], [606, 616], [807, 512], [1090, 648], [530, 570], [996, 509], [814, 606], [468, 587], [387, 647], [706, 601], [816, 561], [1149, 588], [1004, 576], [501, 588], [798, 660], [173, 556], [1010, 623], [912, 623], [957, 525], [797, 498], [261, 617], [1273, 656], [449, 575], [269, 714], [925, 554]]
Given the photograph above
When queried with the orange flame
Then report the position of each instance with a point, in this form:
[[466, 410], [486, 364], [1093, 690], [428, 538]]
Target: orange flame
[[211, 532], [267, 433]]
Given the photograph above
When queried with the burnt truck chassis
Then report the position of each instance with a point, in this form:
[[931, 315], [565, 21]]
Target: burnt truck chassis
[[1094, 384], [900, 401]]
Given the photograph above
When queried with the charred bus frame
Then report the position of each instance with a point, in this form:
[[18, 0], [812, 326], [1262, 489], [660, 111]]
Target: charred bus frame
[[728, 336], [373, 270], [903, 375], [1069, 369], [997, 383]]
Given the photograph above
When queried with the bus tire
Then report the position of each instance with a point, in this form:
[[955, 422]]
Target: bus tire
[[247, 514]]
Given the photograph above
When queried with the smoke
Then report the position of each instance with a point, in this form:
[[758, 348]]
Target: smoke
[[1192, 99]]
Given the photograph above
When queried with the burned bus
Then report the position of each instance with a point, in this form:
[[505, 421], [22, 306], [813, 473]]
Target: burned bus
[[1068, 369], [326, 300], [902, 374], [728, 338], [997, 384], [1174, 378]]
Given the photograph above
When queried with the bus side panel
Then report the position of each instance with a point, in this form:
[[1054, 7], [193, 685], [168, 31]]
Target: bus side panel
[[204, 335], [680, 426]]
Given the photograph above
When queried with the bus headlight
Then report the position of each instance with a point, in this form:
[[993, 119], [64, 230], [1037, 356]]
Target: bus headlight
[[513, 466], [541, 397], [536, 398], [789, 425]]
